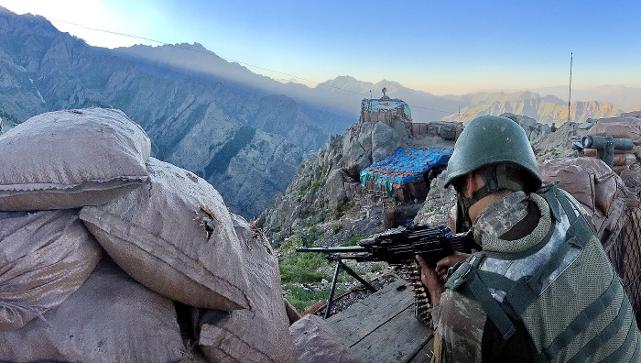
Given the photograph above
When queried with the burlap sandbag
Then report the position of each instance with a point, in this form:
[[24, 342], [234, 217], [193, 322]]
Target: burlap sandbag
[[260, 334], [111, 318], [176, 237], [44, 258], [620, 158], [68, 159], [623, 127], [316, 343], [589, 180]]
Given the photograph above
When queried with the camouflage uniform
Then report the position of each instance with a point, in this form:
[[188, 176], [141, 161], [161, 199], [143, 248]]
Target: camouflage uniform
[[461, 321], [573, 308]]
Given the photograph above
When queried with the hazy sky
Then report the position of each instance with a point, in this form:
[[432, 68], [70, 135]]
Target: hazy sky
[[437, 46]]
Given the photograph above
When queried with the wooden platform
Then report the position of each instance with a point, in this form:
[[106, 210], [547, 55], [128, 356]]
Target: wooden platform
[[382, 327]]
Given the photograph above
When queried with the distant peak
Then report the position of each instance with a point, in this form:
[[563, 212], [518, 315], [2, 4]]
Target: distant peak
[[195, 45], [342, 79]]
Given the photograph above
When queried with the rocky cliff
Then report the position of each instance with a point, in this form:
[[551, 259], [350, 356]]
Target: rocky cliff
[[247, 142], [325, 192]]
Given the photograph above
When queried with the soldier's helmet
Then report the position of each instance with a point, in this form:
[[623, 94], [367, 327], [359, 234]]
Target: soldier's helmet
[[494, 140]]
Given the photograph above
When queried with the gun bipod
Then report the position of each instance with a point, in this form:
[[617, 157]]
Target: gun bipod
[[342, 266]]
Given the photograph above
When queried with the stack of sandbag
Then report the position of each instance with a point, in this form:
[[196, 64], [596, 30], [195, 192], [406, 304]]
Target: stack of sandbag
[[53, 305], [619, 127], [613, 210], [111, 318], [79, 183]]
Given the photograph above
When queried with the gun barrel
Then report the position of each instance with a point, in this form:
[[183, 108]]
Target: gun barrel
[[354, 249], [598, 142]]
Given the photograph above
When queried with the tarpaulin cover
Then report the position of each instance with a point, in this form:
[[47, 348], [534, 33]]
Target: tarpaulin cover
[[405, 165]]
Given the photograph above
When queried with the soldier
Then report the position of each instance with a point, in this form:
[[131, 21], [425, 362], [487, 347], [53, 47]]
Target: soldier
[[542, 288]]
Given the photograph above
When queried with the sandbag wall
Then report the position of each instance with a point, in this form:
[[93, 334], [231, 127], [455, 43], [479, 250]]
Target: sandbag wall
[[612, 208], [99, 242]]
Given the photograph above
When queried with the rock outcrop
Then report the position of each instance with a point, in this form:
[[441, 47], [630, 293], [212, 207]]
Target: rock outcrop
[[326, 186]]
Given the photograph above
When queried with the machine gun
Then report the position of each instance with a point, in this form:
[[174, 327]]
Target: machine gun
[[605, 146], [398, 246]]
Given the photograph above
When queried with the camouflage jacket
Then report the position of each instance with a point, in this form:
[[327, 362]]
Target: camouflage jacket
[[466, 334]]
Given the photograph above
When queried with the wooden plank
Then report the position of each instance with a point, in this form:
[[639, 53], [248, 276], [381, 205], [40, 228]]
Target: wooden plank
[[425, 354], [365, 316], [398, 340]]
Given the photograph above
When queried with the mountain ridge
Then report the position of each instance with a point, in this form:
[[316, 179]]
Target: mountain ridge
[[191, 120]]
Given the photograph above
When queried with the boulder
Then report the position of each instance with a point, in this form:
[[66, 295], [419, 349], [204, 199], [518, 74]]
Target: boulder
[[335, 188], [384, 141]]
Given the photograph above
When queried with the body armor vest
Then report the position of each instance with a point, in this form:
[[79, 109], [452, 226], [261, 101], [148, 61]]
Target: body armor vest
[[563, 289]]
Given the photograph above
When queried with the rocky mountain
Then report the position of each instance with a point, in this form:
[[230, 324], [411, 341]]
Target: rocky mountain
[[546, 109], [247, 142], [628, 98]]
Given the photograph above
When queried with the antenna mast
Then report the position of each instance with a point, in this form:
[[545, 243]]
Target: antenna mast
[[570, 88]]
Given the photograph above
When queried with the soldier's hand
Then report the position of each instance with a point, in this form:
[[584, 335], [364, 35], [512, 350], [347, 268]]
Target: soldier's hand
[[446, 262], [434, 284]]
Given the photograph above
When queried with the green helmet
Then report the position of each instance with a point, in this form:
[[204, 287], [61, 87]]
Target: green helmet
[[490, 140]]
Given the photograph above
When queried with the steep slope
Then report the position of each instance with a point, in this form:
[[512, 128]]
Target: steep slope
[[189, 118], [546, 109]]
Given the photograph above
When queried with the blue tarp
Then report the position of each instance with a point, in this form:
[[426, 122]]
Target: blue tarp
[[405, 165]]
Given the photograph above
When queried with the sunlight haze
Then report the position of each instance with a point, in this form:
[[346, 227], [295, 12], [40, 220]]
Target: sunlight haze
[[432, 46]]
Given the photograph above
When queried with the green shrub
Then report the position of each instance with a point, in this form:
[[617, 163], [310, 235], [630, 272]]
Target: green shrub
[[303, 299], [302, 267], [353, 240], [309, 237], [299, 266], [341, 208]]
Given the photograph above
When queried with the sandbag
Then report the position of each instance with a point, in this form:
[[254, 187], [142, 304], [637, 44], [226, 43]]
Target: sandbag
[[316, 343], [620, 157], [625, 127], [260, 334], [44, 258], [111, 318], [593, 152], [176, 237], [631, 176], [69, 159], [588, 180]]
